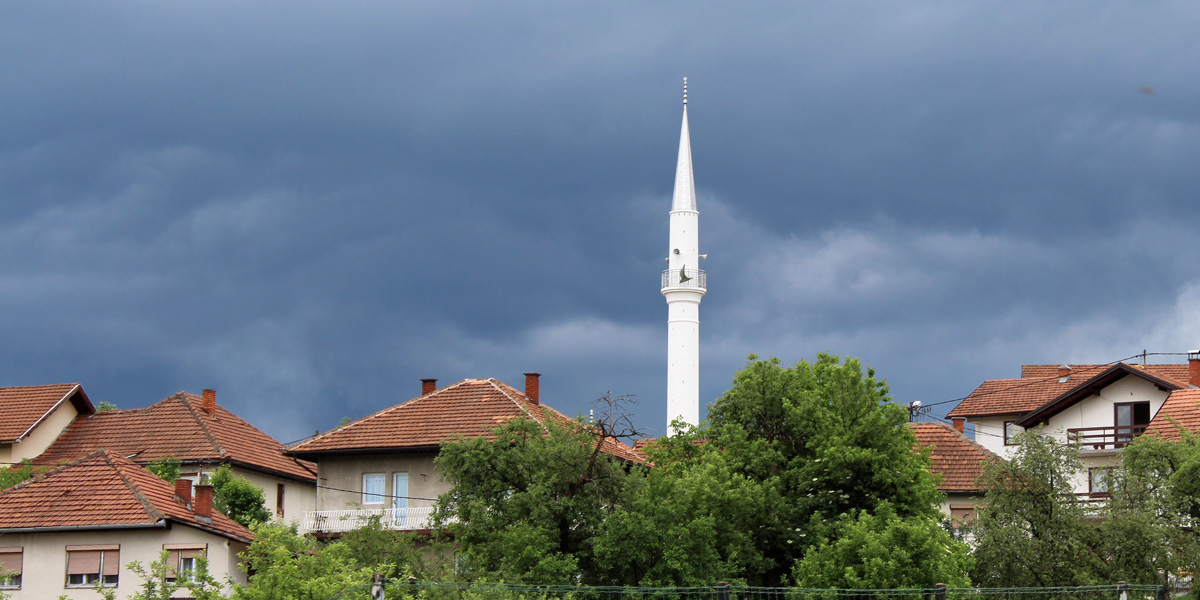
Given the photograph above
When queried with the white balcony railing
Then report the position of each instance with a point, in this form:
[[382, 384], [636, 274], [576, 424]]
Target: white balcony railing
[[400, 519], [685, 278]]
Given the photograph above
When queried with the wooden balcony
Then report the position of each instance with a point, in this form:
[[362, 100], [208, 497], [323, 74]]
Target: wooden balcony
[[1104, 438]]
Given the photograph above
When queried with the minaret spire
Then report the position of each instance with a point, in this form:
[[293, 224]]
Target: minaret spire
[[683, 285]]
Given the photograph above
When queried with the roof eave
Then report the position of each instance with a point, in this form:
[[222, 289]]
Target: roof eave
[[314, 454], [1090, 387], [70, 393]]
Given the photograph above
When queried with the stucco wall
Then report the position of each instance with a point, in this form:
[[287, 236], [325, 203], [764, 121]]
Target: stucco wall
[[45, 433], [1098, 411], [44, 562], [298, 498], [345, 473]]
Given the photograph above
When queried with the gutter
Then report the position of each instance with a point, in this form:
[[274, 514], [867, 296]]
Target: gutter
[[159, 524]]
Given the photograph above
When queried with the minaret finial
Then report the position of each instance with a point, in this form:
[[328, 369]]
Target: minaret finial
[[685, 91]]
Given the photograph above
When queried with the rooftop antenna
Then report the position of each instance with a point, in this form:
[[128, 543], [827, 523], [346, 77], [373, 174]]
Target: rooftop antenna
[[916, 411]]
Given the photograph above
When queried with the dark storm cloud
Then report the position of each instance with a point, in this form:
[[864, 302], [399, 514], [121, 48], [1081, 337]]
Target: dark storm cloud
[[309, 206]]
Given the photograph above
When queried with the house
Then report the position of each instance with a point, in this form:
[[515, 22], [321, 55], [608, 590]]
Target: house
[[202, 435], [382, 465], [958, 461], [1099, 407], [31, 417], [82, 523]]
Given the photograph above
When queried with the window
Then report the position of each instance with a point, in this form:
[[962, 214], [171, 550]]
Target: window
[[181, 560], [962, 514], [399, 497], [92, 564], [1010, 429], [372, 488], [1130, 419], [279, 500], [10, 568], [1100, 481]]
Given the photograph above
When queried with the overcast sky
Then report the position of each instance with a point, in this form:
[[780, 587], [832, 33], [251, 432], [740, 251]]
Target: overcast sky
[[311, 206]]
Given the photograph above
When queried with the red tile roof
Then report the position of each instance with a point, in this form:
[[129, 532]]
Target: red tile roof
[[23, 407], [1039, 386], [178, 427], [102, 490], [957, 458], [470, 408], [1183, 408]]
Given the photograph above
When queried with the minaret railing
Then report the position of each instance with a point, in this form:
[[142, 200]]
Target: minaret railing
[[684, 278]]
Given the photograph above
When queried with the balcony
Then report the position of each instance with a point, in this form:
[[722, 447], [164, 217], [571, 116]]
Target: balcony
[[685, 278], [397, 519], [1104, 438]]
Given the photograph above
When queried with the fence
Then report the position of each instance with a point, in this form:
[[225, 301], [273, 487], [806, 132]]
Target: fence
[[420, 590]]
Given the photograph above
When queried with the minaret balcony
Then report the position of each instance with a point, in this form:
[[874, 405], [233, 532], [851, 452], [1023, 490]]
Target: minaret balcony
[[688, 279]]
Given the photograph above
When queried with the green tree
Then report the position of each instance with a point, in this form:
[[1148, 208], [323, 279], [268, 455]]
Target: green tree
[[104, 406], [526, 506], [14, 474], [1033, 531], [235, 496], [884, 551], [166, 467], [288, 566], [819, 440], [1154, 507]]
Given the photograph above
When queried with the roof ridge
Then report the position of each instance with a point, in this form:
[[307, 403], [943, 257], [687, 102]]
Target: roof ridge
[[48, 473], [494, 382], [208, 434], [151, 511], [374, 415]]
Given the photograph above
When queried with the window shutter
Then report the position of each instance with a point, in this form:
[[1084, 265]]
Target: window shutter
[[83, 562], [112, 562], [172, 563], [193, 553], [10, 561]]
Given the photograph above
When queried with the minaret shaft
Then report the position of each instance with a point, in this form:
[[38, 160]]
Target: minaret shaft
[[684, 284]]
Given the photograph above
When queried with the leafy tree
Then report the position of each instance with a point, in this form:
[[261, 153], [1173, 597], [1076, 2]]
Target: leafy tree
[[884, 551], [1155, 505], [105, 406], [235, 496], [15, 474], [1033, 531], [166, 467], [289, 566], [526, 506], [819, 440]]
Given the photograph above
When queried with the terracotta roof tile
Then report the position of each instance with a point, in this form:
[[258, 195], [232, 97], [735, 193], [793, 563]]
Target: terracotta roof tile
[[470, 408], [1183, 408], [102, 489], [957, 458], [178, 427], [23, 406], [1039, 385]]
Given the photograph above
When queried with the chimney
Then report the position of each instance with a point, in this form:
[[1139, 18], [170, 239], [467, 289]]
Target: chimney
[[960, 424], [209, 401], [1194, 368], [1064, 373], [204, 498], [183, 490], [531, 387], [428, 386]]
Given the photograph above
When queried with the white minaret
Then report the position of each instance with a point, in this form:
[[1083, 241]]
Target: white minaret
[[683, 285]]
